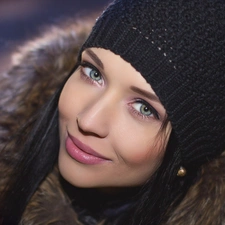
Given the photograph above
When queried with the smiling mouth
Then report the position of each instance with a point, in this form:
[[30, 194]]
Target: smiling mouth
[[83, 153]]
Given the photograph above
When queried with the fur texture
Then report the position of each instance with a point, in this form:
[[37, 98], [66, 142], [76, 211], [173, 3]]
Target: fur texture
[[38, 68]]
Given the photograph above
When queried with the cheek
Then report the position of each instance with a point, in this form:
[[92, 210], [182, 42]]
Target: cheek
[[139, 164], [69, 100], [141, 151], [141, 154], [138, 144]]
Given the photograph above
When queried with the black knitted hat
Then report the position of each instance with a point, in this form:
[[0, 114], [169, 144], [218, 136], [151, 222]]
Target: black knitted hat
[[179, 48]]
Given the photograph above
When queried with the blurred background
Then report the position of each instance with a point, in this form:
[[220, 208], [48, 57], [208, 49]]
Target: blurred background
[[20, 20]]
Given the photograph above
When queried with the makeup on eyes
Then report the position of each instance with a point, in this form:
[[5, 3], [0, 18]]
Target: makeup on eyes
[[95, 58], [85, 65], [152, 111]]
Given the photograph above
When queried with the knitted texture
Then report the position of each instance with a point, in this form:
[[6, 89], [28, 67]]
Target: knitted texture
[[179, 48]]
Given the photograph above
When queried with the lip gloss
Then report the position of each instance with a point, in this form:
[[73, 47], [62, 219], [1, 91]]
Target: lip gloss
[[82, 153]]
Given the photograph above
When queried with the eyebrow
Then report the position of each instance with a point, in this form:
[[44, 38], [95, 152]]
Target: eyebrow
[[95, 58], [145, 93]]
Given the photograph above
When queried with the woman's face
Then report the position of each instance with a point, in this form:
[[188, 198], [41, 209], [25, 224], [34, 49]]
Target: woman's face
[[109, 124]]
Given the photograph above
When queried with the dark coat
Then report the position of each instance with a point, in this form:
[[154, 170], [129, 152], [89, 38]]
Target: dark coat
[[37, 69]]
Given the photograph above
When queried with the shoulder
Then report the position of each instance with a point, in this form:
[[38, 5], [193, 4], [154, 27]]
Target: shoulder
[[204, 203], [49, 204]]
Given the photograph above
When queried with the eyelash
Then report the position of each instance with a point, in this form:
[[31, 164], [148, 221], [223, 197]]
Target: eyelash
[[134, 111], [86, 65], [153, 111]]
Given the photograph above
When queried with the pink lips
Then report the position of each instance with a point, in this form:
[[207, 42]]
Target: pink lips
[[82, 153]]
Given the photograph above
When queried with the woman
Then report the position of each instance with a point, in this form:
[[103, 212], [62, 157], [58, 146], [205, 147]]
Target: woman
[[137, 128]]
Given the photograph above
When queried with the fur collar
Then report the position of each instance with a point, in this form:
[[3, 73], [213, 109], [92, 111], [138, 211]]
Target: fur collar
[[37, 69]]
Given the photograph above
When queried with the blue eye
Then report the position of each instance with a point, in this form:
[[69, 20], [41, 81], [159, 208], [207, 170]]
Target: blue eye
[[90, 72], [143, 108], [93, 74]]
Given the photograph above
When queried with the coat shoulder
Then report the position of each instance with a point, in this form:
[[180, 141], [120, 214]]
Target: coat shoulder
[[50, 205], [204, 203]]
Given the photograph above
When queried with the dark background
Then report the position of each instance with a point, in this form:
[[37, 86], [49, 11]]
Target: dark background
[[21, 20]]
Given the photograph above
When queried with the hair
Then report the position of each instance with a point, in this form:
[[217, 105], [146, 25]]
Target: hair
[[39, 155], [164, 190]]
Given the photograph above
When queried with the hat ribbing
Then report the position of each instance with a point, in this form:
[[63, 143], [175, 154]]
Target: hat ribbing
[[179, 48]]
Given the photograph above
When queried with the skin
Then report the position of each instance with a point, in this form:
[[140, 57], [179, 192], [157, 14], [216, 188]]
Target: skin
[[102, 106]]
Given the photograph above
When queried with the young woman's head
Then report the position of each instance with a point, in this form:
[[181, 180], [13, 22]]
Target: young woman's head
[[175, 53], [110, 130]]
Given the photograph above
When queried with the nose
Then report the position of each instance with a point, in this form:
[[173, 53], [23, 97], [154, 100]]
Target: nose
[[96, 117]]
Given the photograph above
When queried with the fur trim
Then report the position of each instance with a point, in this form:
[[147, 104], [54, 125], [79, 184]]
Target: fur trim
[[204, 203], [38, 68], [50, 205]]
